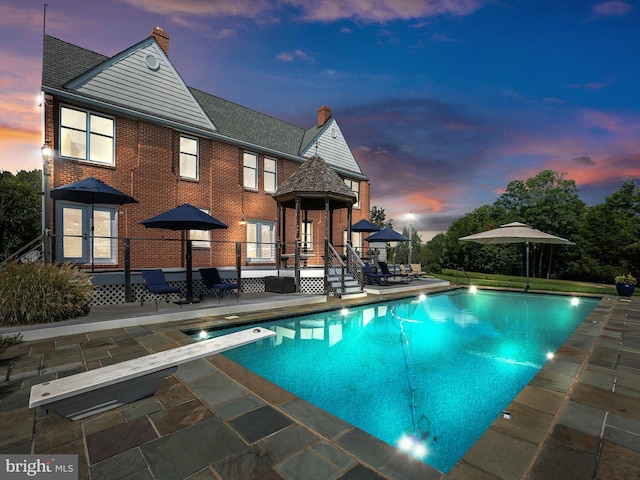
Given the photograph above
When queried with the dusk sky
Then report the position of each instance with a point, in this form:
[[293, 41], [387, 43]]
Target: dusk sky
[[443, 102]]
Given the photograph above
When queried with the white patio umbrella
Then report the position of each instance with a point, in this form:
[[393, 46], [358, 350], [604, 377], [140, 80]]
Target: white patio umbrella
[[515, 232]]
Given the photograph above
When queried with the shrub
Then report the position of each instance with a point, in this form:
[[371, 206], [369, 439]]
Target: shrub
[[8, 340], [32, 293]]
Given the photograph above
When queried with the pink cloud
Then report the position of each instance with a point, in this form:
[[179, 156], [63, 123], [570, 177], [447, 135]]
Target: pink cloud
[[294, 55], [614, 8], [312, 10]]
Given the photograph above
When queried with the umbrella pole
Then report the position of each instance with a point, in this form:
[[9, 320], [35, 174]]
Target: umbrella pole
[[526, 288], [189, 298], [92, 234]]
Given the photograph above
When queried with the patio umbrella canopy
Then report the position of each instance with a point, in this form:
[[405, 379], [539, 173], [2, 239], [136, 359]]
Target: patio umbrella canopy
[[91, 191], [387, 235], [364, 225], [515, 232], [185, 217]]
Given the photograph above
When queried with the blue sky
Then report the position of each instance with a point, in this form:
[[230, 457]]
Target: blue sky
[[443, 102]]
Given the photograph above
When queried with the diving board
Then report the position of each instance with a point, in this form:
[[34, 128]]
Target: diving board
[[95, 391]]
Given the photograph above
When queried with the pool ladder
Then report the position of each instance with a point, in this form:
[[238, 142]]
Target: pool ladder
[[460, 269]]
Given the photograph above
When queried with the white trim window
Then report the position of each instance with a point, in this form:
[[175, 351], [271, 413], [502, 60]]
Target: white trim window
[[306, 236], [354, 185], [200, 238], [86, 136], [250, 171], [270, 175], [189, 157], [260, 241]]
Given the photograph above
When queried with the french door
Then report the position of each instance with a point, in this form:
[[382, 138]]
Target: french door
[[86, 233]]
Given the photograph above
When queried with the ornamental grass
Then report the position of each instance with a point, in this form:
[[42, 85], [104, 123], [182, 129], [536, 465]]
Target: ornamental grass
[[33, 293]]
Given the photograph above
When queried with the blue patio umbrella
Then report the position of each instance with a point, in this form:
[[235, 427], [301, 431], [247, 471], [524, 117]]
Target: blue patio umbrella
[[91, 191], [387, 235], [185, 217], [364, 225]]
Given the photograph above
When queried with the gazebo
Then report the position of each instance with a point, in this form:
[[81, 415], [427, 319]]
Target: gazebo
[[314, 186]]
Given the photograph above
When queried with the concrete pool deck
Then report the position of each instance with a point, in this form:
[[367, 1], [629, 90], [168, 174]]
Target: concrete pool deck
[[579, 418]]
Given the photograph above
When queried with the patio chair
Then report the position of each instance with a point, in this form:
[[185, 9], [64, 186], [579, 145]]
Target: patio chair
[[385, 270], [157, 285], [211, 279], [406, 270], [416, 268], [371, 276]]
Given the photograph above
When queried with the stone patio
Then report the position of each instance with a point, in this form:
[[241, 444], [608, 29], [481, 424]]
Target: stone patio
[[579, 418]]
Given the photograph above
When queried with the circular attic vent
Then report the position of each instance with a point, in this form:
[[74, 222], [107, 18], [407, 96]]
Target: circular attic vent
[[152, 62]]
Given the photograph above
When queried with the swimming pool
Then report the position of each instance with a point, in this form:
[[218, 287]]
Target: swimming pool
[[427, 374]]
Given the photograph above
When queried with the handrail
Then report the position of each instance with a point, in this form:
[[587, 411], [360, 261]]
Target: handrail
[[332, 261], [465, 273], [21, 255], [355, 266]]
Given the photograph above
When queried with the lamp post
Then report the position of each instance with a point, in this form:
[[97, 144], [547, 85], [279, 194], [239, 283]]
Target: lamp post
[[47, 156], [410, 239]]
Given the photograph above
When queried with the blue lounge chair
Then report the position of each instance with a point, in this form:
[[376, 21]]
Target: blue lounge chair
[[156, 284], [371, 276], [384, 268], [211, 279]]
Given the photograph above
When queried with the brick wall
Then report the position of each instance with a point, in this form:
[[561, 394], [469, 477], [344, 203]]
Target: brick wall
[[147, 168]]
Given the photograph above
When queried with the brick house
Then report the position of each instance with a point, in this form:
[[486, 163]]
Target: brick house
[[131, 121]]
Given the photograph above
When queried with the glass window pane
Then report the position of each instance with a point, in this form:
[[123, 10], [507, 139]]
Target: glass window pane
[[188, 166], [73, 143], [189, 145], [200, 238], [101, 149], [251, 239], [102, 233], [73, 118], [266, 232], [72, 231], [250, 171], [102, 125]]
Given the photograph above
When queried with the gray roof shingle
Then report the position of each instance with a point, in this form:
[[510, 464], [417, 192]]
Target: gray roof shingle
[[316, 180], [63, 62]]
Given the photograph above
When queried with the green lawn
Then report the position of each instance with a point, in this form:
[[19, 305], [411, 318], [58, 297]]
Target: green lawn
[[507, 281]]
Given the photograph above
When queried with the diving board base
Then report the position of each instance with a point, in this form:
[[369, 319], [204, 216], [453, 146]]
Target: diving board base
[[110, 397]]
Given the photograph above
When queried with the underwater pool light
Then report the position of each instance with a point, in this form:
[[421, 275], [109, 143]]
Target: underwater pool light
[[575, 301], [550, 355], [473, 289], [203, 334], [344, 311], [412, 445], [422, 296]]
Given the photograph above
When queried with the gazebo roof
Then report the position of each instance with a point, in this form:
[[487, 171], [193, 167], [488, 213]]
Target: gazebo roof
[[315, 182]]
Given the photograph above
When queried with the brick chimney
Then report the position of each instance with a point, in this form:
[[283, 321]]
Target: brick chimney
[[162, 38], [324, 114]]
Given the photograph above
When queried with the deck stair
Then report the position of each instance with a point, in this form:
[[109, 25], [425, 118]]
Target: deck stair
[[351, 287]]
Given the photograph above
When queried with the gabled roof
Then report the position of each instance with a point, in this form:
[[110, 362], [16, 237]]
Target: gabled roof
[[69, 69]]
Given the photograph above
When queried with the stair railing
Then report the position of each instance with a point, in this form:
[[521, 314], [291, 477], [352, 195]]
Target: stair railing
[[355, 266], [332, 261], [34, 251]]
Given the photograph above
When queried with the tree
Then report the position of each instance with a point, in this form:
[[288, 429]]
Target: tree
[[20, 209], [378, 217], [548, 202], [609, 237]]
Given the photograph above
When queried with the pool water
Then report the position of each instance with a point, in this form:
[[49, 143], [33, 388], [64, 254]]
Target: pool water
[[426, 374]]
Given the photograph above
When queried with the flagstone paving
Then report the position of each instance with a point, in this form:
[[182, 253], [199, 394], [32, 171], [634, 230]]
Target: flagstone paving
[[579, 418]]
